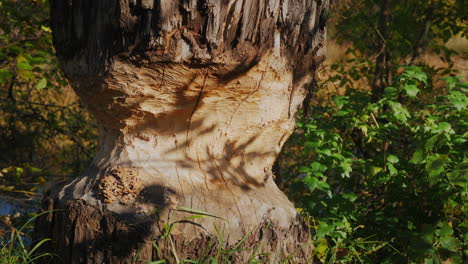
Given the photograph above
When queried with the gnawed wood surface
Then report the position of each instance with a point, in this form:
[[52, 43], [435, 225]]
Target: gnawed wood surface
[[89, 35], [194, 100]]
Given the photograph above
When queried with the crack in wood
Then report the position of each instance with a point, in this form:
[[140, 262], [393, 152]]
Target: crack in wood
[[205, 177], [196, 105], [248, 96], [225, 183]]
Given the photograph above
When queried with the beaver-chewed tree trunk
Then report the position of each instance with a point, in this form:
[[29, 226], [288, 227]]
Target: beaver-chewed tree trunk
[[194, 100]]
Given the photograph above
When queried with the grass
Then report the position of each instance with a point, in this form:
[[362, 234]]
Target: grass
[[216, 250], [13, 250], [222, 254]]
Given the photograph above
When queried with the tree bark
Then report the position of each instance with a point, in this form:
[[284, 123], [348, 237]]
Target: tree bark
[[194, 100], [382, 71]]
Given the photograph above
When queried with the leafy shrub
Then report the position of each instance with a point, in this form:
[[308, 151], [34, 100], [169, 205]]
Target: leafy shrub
[[42, 125], [386, 181]]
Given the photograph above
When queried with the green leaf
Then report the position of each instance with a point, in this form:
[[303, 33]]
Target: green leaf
[[435, 166], [413, 72], [418, 157], [427, 233], [342, 113], [35, 171], [390, 91], [445, 230], [46, 29], [24, 65], [375, 170], [346, 167], [411, 90], [441, 127], [323, 186], [37, 60], [451, 82], [340, 101], [311, 182], [432, 142], [317, 167], [41, 84], [310, 146], [459, 175], [399, 112], [392, 158], [320, 248], [393, 171], [458, 100], [349, 196], [195, 211], [323, 230], [5, 76], [449, 243], [325, 152]]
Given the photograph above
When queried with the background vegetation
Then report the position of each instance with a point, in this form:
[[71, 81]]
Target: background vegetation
[[44, 131], [379, 157], [378, 160]]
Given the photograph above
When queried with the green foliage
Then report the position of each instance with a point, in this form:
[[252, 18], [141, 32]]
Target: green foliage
[[41, 123], [384, 174], [411, 25], [387, 181], [21, 180], [13, 249]]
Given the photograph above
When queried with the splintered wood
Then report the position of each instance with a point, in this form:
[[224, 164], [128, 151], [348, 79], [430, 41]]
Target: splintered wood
[[121, 185]]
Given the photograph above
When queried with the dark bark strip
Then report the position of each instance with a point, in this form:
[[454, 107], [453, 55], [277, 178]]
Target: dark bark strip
[[199, 98], [88, 34], [382, 73]]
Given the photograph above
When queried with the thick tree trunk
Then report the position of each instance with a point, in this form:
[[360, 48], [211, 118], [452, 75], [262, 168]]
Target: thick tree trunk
[[194, 100]]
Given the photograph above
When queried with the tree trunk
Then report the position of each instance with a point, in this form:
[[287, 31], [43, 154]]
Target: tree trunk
[[382, 71], [194, 100]]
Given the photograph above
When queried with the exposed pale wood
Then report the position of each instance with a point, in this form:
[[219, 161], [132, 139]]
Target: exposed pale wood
[[194, 100]]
